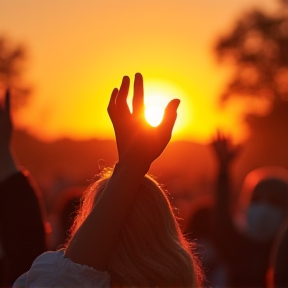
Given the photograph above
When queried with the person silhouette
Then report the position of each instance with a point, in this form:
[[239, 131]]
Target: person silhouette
[[245, 242], [125, 234], [61, 218], [22, 216], [200, 229]]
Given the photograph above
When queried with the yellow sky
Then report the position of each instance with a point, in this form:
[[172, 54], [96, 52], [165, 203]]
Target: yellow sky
[[79, 51]]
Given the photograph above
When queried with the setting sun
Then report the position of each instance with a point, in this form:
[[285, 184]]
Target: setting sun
[[157, 94], [154, 115], [176, 58]]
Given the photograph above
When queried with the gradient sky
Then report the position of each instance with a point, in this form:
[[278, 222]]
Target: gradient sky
[[79, 51]]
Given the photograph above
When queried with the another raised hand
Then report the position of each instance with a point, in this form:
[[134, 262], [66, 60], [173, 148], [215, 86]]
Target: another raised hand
[[225, 154], [21, 214], [224, 151], [5, 122], [136, 139], [7, 163]]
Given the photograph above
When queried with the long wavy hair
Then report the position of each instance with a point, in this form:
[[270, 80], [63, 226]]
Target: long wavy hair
[[151, 250]]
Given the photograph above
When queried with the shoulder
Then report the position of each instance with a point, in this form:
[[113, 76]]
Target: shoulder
[[52, 269]]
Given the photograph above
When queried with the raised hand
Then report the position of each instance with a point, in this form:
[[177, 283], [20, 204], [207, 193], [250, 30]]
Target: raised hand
[[139, 144], [7, 163], [137, 141], [5, 123], [223, 149]]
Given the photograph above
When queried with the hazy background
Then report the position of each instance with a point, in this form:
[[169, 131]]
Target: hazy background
[[75, 52], [78, 52]]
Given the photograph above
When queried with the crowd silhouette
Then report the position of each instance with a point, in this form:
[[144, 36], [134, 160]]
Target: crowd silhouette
[[239, 243], [123, 230]]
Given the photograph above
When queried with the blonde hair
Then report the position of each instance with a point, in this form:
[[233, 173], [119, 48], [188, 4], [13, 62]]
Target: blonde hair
[[151, 250]]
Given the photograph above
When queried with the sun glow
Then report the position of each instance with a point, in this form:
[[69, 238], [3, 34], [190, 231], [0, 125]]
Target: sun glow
[[157, 94], [154, 115]]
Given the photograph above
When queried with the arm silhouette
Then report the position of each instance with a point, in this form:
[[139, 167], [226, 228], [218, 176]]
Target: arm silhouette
[[138, 146], [7, 164], [22, 230], [225, 155]]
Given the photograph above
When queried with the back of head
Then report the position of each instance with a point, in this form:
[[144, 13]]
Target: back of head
[[151, 250], [268, 184], [201, 215], [264, 202]]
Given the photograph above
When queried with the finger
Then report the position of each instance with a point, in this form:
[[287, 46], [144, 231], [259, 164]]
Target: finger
[[218, 135], [121, 98], [169, 117], [138, 95], [112, 102], [221, 136]]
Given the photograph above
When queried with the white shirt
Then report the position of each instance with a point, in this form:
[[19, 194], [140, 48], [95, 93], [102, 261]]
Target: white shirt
[[52, 269]]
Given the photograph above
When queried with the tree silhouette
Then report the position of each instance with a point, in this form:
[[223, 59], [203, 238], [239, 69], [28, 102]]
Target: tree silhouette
[[258, 46], [12, 65]]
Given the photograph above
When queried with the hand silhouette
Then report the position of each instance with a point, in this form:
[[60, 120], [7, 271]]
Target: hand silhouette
[[225, 153], [6, 126], [7, 162], [138, 144], [137, 141]]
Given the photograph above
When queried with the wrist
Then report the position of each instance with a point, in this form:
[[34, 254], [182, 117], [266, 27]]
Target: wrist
[[133, 167], [224, 166]]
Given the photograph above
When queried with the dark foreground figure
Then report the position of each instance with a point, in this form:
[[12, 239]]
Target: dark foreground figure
[[22, 233]]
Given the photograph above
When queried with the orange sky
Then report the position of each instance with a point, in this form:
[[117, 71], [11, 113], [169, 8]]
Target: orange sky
[[79, 51]]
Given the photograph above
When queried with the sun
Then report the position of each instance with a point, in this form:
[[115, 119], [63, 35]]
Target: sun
[[157, 94], [154, 115]]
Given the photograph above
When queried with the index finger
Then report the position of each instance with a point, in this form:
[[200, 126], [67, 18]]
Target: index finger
[[138, 96], [123, 92]]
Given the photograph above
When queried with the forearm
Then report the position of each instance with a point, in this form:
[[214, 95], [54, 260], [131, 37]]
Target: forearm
[[223, 218], [223, 190], [96, 238], [8, 166]]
